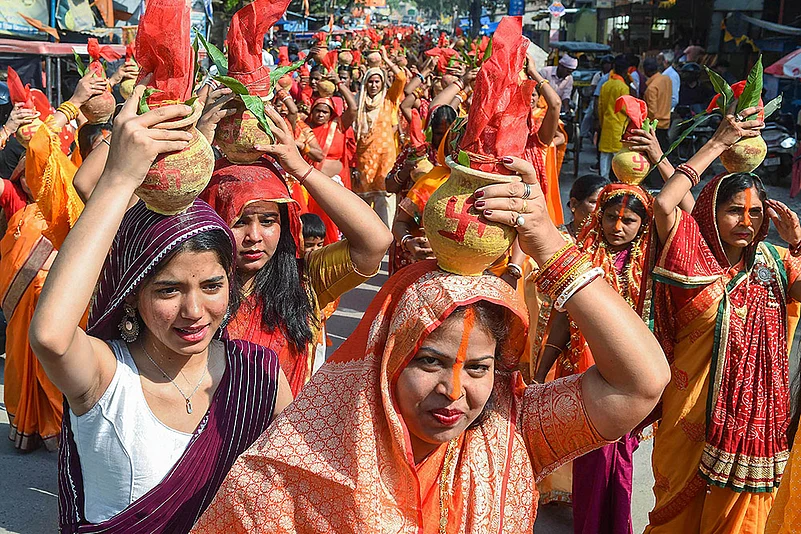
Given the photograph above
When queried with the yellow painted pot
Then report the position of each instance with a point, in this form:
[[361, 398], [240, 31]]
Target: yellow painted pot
[[462, 242], [630, 167], [176, 179], [745, 155], [237, 134], [25, 133]]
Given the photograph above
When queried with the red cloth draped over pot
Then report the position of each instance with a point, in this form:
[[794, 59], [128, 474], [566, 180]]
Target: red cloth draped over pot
[[32, 98], [97, 52], [501, 103], [163, 48], [245, 43]]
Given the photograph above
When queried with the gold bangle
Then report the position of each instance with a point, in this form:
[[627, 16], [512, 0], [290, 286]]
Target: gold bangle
[[69, 110], [558, 349], [556, 256]]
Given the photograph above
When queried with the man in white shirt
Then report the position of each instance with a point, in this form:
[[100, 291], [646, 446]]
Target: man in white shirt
[[666, 65], [561, 78]]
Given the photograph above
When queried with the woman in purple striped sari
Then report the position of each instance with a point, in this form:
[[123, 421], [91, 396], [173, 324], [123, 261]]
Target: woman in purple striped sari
[[153, 421]]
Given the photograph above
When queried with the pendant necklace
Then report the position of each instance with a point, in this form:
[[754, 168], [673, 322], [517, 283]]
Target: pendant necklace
[[188, 399]]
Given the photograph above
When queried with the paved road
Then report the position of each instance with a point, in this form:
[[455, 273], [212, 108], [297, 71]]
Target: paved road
[[28, 503]]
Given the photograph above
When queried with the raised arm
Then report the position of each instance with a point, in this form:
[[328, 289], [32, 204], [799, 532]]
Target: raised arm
[[628, 377], [79, 365], [678, 186], [648, 144], [88, 86], [550, 123], [349, 114], [368, 237], [556, 342]]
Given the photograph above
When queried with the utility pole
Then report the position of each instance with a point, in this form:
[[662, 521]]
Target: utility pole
[[475, 18]]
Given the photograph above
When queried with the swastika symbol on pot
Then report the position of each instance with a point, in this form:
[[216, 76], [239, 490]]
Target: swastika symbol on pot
[[163, 176], [643, 162], [463, 218]]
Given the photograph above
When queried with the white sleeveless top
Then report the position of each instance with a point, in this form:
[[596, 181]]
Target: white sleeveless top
[[124, 449]]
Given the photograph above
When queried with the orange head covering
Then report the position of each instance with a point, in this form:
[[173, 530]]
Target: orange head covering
[[339, 458], [233, 187]]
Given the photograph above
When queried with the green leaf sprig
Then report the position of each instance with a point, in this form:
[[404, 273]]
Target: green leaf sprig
[[80, 64]]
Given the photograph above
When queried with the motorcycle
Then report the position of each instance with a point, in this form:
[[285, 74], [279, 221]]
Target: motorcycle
[[697, 138], [781, 143]]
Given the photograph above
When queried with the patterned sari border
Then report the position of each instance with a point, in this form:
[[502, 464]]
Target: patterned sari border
[[25, 275]]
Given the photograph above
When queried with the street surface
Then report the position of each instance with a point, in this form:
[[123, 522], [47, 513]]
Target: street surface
[[28, 490]]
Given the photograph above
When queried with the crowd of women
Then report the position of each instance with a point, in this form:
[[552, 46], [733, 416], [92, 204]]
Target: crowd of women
[[178, 361]]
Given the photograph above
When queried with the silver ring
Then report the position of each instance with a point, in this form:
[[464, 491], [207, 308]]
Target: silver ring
[[519, 221], [739, 118], [526, 191]]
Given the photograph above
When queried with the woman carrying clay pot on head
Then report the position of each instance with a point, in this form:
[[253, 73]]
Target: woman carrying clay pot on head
[[159, 402], [331, 124], [283, 288], [397, 433], [375, 137], [725, 314]]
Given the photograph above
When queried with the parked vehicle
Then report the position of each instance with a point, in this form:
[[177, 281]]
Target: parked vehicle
[[781, 141]]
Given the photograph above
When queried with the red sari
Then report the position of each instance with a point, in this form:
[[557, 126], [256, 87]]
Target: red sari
[[337, 146]]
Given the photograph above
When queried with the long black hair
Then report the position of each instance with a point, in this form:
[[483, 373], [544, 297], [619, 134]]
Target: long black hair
[[587, 184], [285, 302]]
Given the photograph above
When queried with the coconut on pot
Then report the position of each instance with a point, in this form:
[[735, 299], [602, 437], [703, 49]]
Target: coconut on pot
[[462, 242], [746, 154]]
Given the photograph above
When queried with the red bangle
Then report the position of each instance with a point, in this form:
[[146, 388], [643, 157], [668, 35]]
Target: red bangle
[[689, 172], [306, 175]]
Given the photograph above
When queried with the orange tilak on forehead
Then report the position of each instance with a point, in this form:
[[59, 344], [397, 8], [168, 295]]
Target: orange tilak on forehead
[[461, 354], [623, 206], [748, 206]]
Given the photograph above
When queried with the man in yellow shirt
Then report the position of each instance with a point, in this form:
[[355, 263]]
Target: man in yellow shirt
[[612, 124]]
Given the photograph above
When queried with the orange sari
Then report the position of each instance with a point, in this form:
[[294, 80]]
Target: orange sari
[[34, 404], [339, 458]]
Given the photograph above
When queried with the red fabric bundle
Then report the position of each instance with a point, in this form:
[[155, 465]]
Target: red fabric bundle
[[330, 61], [283, 56], [443, 55], [163, 48], [31, 98], [357, 56], [417, 137], [245, 42], [96, 52], [129, 52], [501, 104], [636, 110]]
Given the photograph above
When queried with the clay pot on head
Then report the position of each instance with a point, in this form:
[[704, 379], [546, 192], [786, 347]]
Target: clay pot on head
[[99, 108], [373, 59], [630, 167], [745, 155], [25, 133], [176, 179], [345, 57], [463, 243], [237, 134]]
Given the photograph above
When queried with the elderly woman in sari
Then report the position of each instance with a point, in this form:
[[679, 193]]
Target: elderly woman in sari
[[722, 315], [419, 423], [376, 149], [159, 402]]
